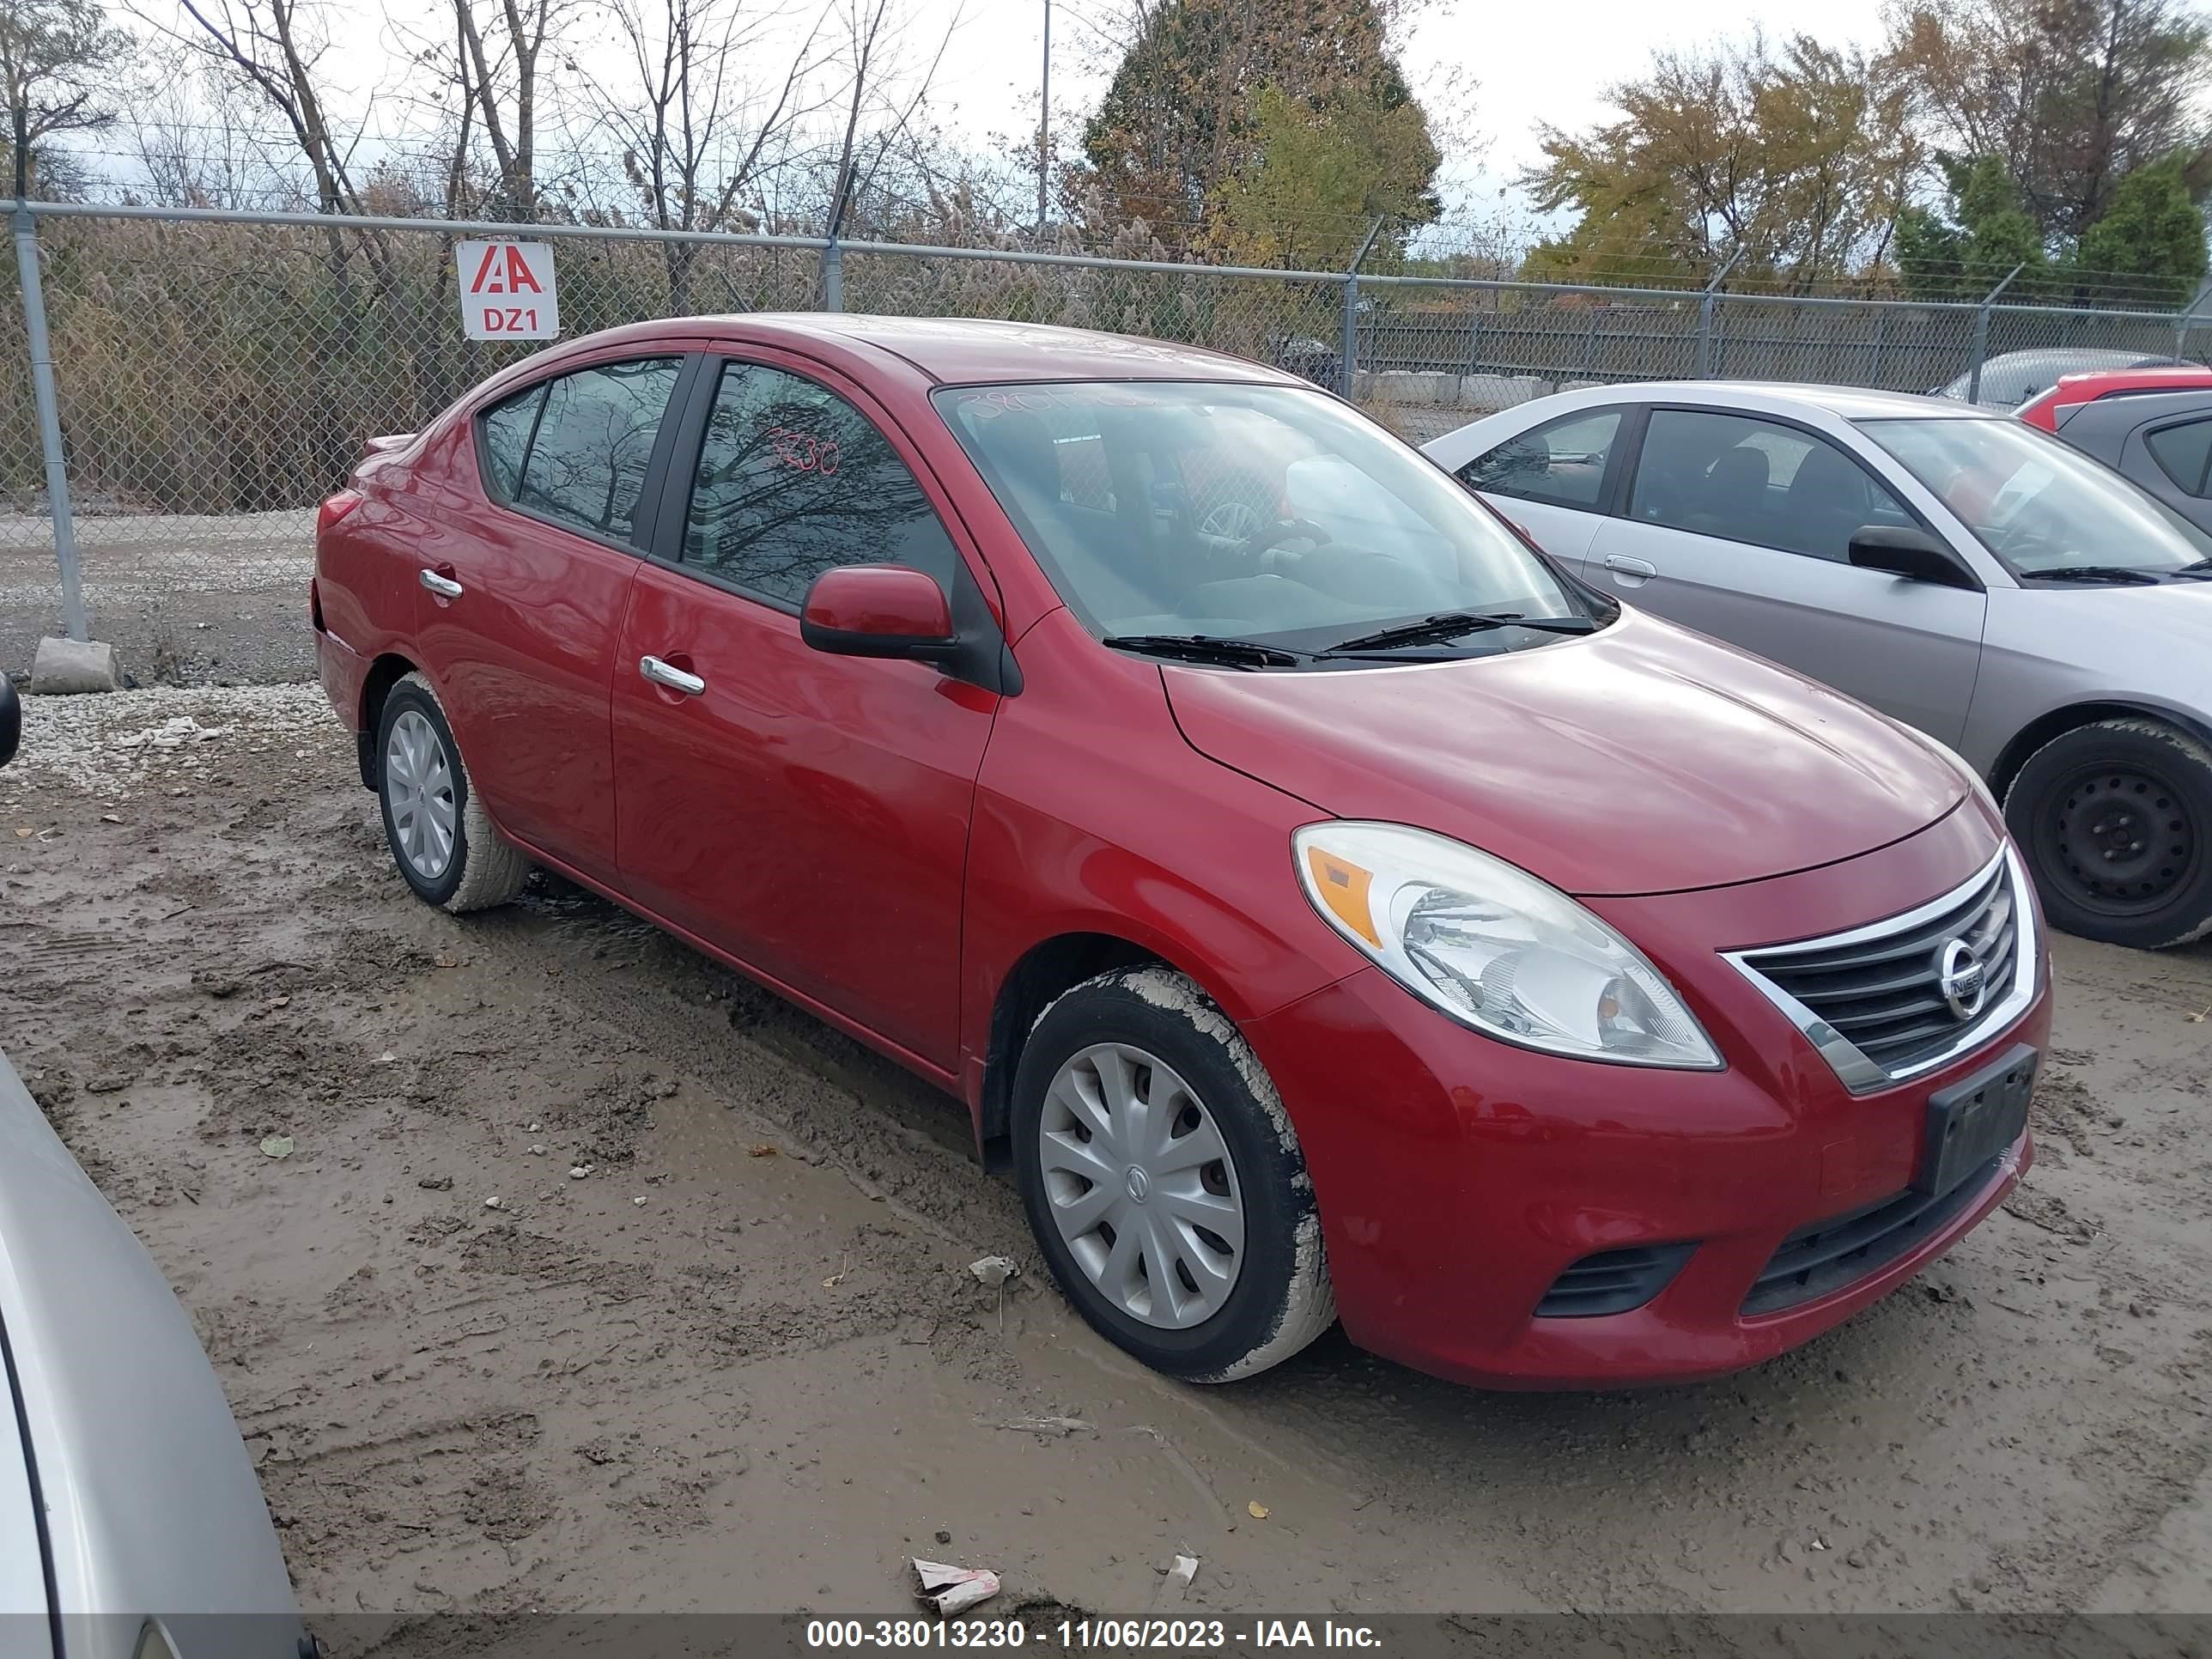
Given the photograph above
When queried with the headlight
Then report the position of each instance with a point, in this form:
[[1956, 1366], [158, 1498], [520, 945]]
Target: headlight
[[1495, 948]]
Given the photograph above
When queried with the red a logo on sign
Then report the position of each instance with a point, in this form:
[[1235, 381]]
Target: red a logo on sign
[[512, 277]]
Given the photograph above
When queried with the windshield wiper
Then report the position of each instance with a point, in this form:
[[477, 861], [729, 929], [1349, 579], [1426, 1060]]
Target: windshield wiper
[[2094, 573], [1205, 647], [1448, 625], [2197, 570]]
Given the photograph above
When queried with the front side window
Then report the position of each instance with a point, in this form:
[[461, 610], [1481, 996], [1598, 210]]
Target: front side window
[[2040, 504], [792, 480], [1244, 512], [1561, 462], [575, 449], [1749, 480], [2184, 454]]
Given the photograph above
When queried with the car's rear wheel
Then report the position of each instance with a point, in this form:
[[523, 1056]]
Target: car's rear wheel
[[2116, 821], [1163, 1181], [441, 838]]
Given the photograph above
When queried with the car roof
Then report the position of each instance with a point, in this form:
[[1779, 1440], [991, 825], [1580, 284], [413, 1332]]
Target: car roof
[[2136, 408], [1849, 401], [2104, 382], [963, 350]]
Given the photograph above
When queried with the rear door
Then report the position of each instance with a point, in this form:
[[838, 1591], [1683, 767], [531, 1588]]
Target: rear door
[[1554, 480], [519, 609], [807, 813], [1740, 527], [2173, 459]]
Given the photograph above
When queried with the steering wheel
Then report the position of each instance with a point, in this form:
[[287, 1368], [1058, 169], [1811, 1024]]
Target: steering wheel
[[1286, 530]]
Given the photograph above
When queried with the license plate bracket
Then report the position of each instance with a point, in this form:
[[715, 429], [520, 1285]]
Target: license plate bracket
[[1973, 1120]]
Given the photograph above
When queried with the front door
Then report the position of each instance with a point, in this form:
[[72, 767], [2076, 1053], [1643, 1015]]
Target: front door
[[1741, 527], [806, 813], [1553, 479]]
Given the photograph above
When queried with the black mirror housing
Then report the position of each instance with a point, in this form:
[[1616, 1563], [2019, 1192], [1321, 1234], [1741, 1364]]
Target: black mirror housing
[[1908, 551]]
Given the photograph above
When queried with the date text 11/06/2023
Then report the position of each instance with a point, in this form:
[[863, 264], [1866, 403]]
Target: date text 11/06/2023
[[1085, 1635]]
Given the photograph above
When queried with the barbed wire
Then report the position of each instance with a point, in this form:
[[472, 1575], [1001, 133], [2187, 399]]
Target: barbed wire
[[250, 171]]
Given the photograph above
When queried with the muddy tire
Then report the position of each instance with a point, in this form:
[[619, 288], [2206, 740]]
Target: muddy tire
[[1163, 1182], [2115, 819], [440, 839]]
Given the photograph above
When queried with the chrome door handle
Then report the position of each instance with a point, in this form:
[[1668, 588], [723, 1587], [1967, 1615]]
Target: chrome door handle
[[1628, 567], [444, 586], [667, 674]]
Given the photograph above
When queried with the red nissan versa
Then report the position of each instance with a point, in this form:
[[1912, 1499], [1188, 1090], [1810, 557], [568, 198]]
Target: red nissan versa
[[1341, 912]]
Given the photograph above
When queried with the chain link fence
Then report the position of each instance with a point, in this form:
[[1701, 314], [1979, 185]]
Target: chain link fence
[[216, 374]]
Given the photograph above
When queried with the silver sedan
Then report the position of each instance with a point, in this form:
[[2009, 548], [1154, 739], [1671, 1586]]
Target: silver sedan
[[1956, 569], [132, 1526]]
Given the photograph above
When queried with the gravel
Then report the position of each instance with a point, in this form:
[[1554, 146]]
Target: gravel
[[105, 745]]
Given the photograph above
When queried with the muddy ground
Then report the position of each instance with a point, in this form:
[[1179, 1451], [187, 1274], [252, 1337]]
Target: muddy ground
[[740, 1363]]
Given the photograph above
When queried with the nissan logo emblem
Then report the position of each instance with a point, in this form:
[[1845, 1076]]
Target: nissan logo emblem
[[1961, 978]]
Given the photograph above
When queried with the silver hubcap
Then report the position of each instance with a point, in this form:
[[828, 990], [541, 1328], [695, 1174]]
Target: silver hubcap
[[418, 784], [1140, 1184]]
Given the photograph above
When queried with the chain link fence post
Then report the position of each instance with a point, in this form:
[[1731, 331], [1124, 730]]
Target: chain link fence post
[[1706, 302], [1348, 367], [1981, 347], [833, 274], [2182, 323], [49, 423]]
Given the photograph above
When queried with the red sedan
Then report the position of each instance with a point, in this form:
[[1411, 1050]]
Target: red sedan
[[1336, 909]]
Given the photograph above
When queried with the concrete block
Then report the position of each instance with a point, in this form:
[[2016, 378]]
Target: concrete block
[[64, 666], [1492, 392]]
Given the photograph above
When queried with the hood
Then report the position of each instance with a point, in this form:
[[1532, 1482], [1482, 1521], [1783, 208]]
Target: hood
[[1641, 759], [2166, 630]]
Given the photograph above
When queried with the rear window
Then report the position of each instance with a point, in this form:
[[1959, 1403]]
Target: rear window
[[575, 449]]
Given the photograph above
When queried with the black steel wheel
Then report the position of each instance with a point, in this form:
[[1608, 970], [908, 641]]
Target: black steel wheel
[[2114, 819]]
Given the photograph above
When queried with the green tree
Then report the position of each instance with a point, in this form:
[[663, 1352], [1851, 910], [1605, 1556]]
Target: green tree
[[2152, 238], [55, 59], [1792, 160], [1182, 118], [1983, 234]]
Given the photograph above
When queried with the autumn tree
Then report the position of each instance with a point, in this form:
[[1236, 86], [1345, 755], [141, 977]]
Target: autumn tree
[[55, 59], [1316, 181], [1792, 160], [2068, 96], [1183, 115]]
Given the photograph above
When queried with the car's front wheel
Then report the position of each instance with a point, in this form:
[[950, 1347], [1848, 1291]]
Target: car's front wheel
[[2116, 821], [1163, 1181], [441, 837]]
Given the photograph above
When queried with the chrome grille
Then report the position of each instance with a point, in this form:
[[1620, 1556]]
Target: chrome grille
[[1875, 1001]]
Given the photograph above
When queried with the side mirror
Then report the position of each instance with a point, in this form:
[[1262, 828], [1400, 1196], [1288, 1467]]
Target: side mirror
[[11, 720], [878, 611], [1908, 551]]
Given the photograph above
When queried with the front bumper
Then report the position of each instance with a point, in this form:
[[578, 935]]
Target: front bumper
[[1458, 1176]]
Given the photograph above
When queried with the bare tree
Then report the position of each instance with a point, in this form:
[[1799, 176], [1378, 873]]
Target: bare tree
[[696, 132], [54, 58], [272, 48], [502, 87]]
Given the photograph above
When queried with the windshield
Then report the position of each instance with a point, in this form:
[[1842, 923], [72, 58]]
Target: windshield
[[1246, 512], [2039, 504]]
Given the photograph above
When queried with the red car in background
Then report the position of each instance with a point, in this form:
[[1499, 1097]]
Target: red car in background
[[2052, 409], [1337, 909]]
